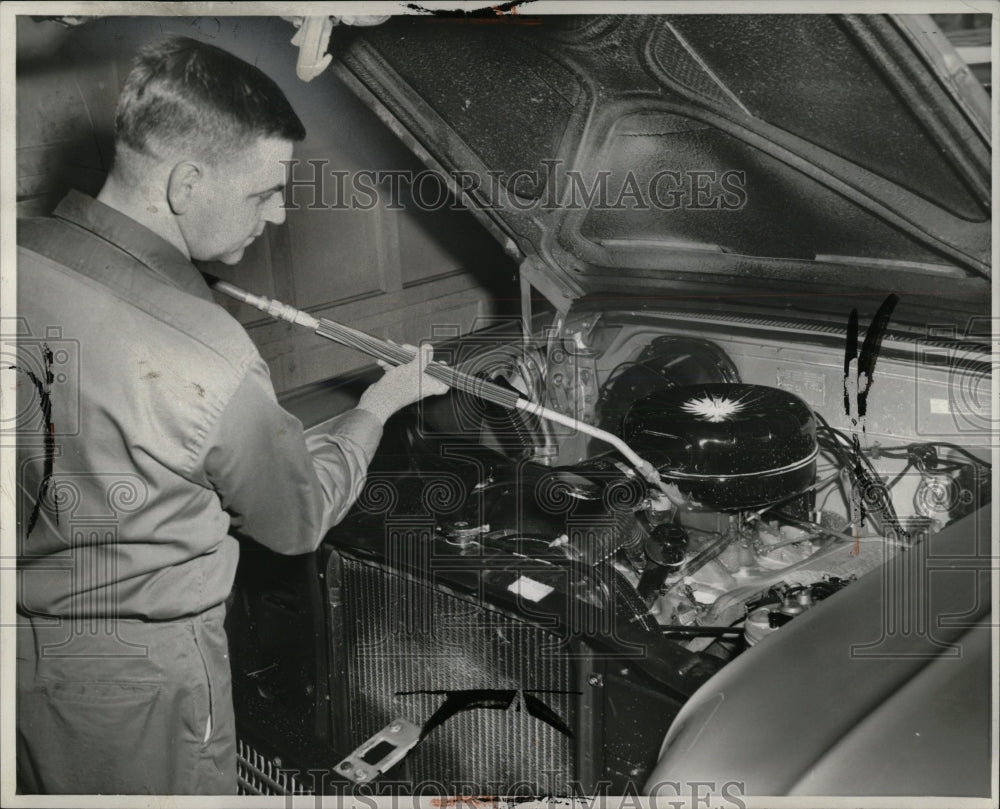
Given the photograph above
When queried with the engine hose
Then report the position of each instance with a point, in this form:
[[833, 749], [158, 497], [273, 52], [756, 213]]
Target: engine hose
[[652, 579], [630, 600], [517, 424], [517, 421]]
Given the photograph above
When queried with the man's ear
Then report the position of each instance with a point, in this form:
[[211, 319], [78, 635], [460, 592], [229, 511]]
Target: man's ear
[[182, 185]]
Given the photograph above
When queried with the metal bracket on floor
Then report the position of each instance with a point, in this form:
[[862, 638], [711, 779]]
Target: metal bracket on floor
[[380, 753]]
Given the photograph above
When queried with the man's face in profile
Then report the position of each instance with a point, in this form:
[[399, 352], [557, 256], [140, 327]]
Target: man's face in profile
[[235, 199]]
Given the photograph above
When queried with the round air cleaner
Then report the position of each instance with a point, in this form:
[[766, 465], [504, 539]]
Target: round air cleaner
[[726, 446]]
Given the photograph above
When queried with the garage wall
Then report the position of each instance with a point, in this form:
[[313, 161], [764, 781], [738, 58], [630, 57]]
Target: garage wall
[[398, 270]]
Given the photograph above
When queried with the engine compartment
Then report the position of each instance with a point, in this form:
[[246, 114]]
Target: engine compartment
[[778, 500], [532, 609]]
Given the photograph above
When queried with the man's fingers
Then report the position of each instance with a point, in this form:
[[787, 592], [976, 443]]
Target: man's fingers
[[426, 354], [438, 387]]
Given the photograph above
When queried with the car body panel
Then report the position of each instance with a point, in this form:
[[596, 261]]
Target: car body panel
[[882, 689], [714, 179]]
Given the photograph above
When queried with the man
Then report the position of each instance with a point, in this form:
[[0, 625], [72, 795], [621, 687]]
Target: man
[[164, 443]]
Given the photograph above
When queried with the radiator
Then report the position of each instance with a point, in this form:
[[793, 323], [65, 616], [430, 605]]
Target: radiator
[[404, 648]]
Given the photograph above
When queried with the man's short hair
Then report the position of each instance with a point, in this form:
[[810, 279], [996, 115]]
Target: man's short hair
[[186, 96]]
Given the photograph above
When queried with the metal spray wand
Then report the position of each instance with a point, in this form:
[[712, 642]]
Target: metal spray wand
[[396, 355]]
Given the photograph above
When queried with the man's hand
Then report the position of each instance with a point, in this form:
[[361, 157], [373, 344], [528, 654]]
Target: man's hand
[[401, 386]]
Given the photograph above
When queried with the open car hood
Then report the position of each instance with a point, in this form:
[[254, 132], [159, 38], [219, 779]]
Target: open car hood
[[626, 154]]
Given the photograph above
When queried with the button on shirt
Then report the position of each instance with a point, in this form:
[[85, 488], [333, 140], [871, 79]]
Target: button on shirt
[[149, 434]]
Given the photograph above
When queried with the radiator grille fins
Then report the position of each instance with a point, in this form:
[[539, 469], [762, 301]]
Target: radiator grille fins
[[259, 775], [412, 649]]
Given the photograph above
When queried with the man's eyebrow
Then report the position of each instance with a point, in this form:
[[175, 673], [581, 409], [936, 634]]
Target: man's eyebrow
[[268, 191]]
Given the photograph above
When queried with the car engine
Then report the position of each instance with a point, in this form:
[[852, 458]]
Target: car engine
[[768, 510]]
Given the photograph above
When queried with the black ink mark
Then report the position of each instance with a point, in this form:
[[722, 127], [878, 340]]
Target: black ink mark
[[859, 373], [859, 369], [850, 358], [50, 433], [497, 698], [497, 10]]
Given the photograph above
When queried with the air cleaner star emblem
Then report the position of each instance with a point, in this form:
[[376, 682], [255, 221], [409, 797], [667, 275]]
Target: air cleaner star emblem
[[712, 408]]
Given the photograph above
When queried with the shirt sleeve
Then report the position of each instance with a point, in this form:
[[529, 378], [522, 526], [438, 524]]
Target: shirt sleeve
[[283, 486]]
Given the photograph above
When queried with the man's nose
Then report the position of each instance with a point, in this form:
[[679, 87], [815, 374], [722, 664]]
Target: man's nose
[[275, 213]]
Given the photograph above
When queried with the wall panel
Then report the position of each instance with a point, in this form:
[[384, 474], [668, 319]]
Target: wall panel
[[394, 268]]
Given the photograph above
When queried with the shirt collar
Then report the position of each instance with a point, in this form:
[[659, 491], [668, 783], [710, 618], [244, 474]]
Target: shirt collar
[[165, 260]]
